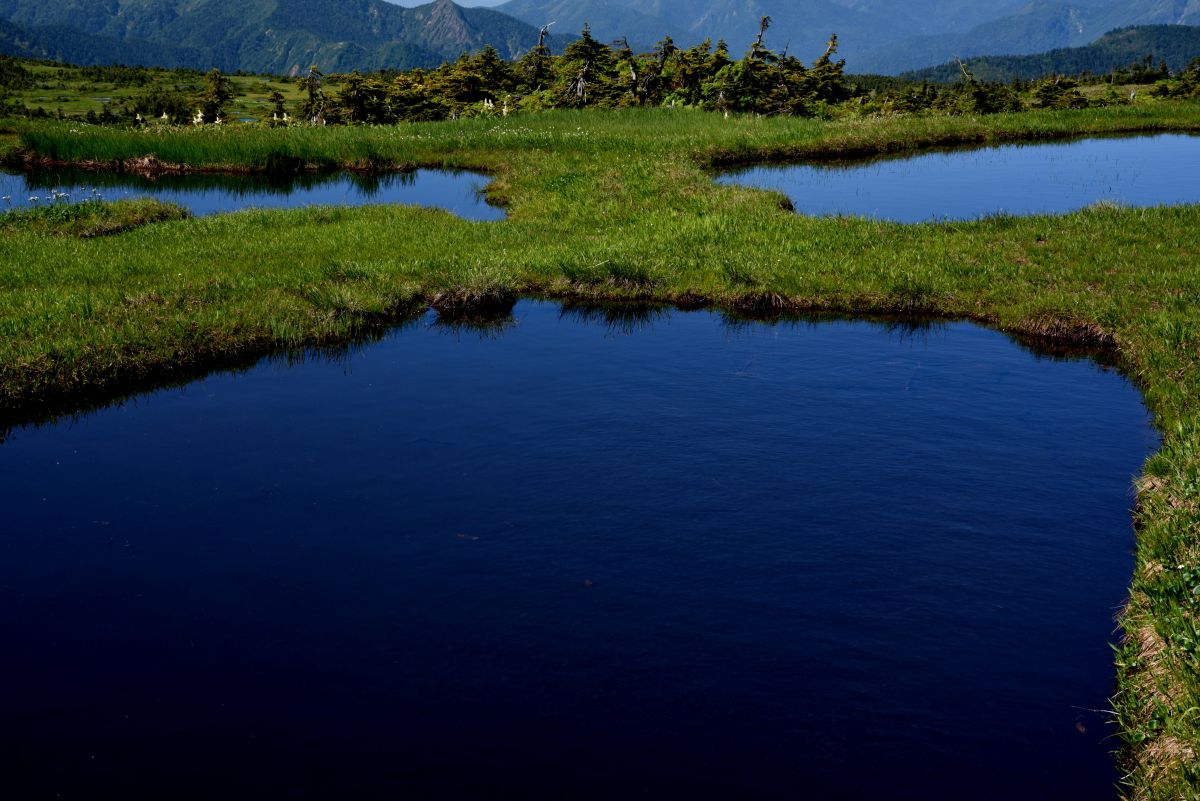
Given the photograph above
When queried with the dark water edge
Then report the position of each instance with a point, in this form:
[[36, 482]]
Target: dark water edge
[[619, 316], [457, 191], [585, 553], [967, 183]]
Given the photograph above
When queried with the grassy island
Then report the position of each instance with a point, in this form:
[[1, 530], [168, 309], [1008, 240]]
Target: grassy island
[[620, 205]]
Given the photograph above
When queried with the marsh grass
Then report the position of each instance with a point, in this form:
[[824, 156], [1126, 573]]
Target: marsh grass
[[474, 144], [89, 218], [621, 206]]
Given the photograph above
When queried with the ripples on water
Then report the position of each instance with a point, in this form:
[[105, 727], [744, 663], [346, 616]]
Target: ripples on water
[[587, 554]]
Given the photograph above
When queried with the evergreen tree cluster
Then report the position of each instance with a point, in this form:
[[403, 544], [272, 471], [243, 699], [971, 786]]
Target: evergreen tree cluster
[[13, 75], [593, 74], [1186, 84], [590, 74]]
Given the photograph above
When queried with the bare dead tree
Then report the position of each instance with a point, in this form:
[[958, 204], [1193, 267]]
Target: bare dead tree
[[579, 85], [763, 24], [966, 73]]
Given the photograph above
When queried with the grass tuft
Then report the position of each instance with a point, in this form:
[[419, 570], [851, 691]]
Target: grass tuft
[[90, 218]]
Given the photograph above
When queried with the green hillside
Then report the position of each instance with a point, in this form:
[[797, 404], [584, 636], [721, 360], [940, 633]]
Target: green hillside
[[256, 35], [63, 43], [1176, 45]]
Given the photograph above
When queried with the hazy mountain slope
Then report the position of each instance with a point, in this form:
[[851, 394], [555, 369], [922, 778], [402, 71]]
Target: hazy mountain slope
[[281, 35], [802, 26], [61, 43], [863, 26], [286, 35], [1147, 12], [609, 19], [1039, 26], [1177, 45], [875, 35]]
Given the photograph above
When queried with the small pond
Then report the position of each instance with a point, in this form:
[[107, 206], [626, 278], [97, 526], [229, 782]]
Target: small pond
[[580, 554], [206, 193], [1011, 179]]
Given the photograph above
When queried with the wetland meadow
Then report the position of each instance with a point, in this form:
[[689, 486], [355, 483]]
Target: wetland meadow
[[644, 468]]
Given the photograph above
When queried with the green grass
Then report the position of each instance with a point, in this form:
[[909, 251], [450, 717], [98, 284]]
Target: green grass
[[576, 135], [87, 219], [620, 205], [61, 89]]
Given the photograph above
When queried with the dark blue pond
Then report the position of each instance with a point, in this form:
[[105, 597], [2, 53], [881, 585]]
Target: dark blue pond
[[580, 556], [1013, 179], [456, 191]]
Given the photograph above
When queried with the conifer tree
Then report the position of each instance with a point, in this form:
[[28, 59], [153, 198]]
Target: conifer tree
[[685, 72], [747, 85], [217, 92], [364, 100], [584, 74], [533, 70], [409, 99]]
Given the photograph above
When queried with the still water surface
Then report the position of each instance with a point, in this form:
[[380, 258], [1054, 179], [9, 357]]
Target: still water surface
[[456, 191], [1012, 179], [579, 557]]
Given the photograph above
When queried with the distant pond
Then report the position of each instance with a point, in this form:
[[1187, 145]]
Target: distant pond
[[457, 191], [967, 184], [581, 553]]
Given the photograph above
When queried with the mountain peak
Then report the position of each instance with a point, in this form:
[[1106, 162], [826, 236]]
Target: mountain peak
[[265, 35], [448, 23]]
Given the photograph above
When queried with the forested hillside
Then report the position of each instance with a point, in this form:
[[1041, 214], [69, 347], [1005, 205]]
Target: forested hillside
[[278, 36], [1038, 26], [64, 43], [1173, 45]]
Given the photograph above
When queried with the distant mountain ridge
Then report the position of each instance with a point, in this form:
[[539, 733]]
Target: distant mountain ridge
[[1038, 26], [63, 43], [277, 36], [1174, 45], [281, 36], [802, 27], [883, 36]]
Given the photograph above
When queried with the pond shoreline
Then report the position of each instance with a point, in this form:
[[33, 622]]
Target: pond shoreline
[[141, 373], [971, 183], [818, 153], [821, 153], [622, 209], [833, 442], [151, 166]]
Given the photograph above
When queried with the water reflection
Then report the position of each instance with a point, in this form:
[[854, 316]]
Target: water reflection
[[697, 564], [625, 318], [457, 191], [485, 324], [495, 320], [966, 184], [487, 312]]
